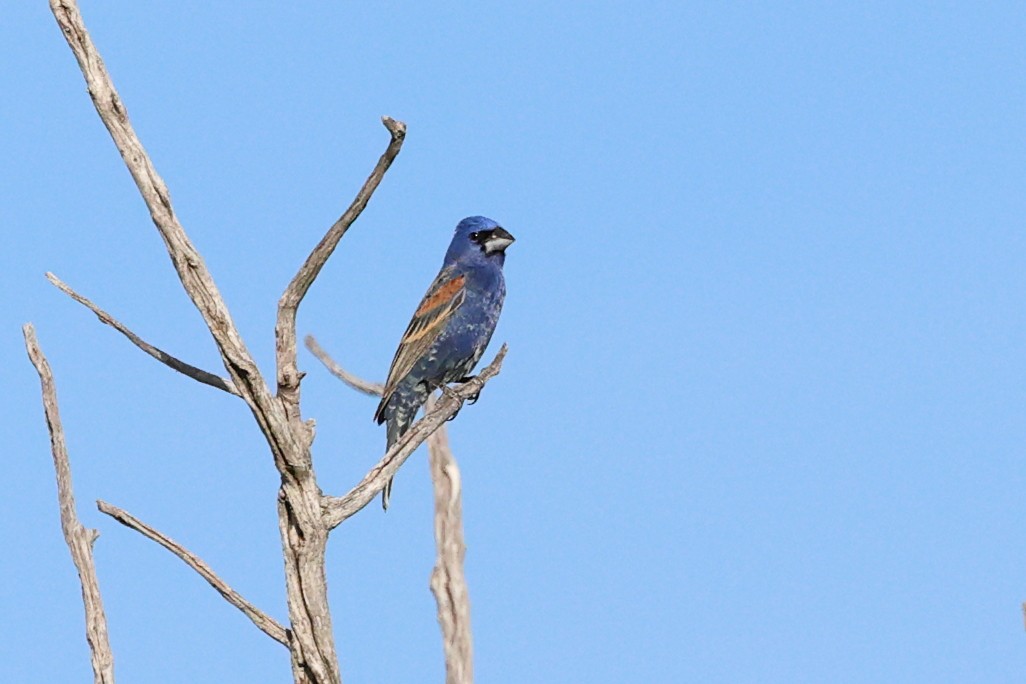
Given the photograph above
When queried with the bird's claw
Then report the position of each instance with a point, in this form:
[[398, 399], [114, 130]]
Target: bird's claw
[[451, 393], [476, 395]]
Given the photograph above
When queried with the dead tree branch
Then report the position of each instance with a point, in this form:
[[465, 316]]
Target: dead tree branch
[[375, 389], [196, 279], [337, 509], [448, 583], [264, 622], [186, 369], [300, 521], [79, 539], [288, 305]]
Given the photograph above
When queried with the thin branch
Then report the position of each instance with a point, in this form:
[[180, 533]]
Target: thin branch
[[337, 509], [288, 305], [375, 389], [79, 539], [448, 583], [191, 371], [264, 622]]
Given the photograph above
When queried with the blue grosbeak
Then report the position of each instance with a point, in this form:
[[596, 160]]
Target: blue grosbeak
[[451, 327]]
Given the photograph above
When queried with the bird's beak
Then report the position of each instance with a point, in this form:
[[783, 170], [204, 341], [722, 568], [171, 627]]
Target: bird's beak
[[497, 241]]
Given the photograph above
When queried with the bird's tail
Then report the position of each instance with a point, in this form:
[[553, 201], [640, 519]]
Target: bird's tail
[[401, 410], [396, 427]]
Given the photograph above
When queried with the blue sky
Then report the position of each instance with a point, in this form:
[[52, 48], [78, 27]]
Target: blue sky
[[762, 416]]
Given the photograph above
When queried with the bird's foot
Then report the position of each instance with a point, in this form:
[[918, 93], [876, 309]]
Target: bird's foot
[[451, 393], [476, 395]]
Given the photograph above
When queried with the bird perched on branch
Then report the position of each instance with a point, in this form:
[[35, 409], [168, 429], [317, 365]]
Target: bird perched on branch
[[451, 327]]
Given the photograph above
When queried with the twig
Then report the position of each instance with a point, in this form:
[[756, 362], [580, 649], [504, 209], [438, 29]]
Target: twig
[[264, 622], [337, 509], [375, 389], [191, 371], [288, 305], [448, 583], [79, 539]]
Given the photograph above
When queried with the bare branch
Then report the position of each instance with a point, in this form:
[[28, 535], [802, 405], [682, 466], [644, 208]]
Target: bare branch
[[448, 583], [374, 389], [191, 371], [264, 622], [188, 263], [79, 539], [300, 517], [288, 305], [337, 509]]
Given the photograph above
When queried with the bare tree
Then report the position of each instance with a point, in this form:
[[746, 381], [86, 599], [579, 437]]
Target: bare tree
[[306, 515]]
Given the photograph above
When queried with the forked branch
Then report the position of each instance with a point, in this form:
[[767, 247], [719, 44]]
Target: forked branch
[[288, 305], [304, 535], [448, 583], [192, 271], [79, 539], [337, 509]]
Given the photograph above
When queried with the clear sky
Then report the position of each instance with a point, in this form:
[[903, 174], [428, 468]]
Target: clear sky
[[762, 418]]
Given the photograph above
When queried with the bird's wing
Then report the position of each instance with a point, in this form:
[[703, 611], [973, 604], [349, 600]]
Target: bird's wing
[[444, 296]]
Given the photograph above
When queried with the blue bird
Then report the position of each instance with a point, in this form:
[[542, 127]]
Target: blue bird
[[451, 327]]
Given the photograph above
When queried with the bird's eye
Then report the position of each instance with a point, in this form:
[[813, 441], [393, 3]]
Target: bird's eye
[[474, 236]]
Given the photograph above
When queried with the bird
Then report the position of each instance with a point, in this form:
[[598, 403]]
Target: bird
[[450, 328]]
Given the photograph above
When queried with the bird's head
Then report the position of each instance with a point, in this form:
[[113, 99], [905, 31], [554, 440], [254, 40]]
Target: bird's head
[[478, 237]]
